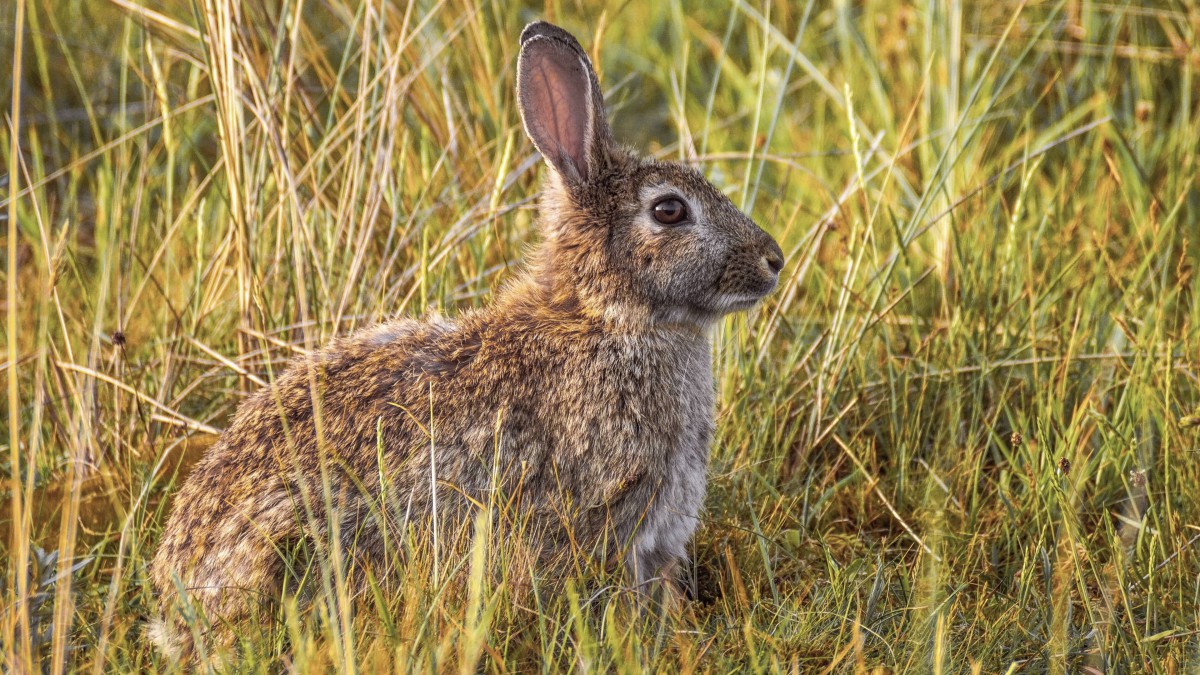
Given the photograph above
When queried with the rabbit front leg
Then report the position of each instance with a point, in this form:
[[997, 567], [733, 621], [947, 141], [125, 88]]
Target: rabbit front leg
[[660, 546], [653, 575]]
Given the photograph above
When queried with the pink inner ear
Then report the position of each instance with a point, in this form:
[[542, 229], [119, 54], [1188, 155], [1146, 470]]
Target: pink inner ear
[[554, 98]]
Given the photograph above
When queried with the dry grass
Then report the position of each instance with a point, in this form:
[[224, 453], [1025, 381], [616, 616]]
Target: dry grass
[[955, 440]]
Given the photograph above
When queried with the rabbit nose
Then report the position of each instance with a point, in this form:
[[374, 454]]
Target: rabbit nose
[[774, 261], [772, 255]]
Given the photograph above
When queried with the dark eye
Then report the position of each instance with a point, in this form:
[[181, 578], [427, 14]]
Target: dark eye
[[670, 211]]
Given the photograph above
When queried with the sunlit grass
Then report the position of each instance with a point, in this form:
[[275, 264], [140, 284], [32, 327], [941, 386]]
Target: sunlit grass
[[951, 440]]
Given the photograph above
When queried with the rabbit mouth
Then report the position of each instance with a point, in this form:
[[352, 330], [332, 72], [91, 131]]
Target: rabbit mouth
[[736, 302]]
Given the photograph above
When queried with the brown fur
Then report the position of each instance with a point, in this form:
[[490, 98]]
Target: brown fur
[[583, 393]]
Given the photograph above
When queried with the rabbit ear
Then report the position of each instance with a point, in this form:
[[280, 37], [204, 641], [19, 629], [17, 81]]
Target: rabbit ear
[[561, 102]]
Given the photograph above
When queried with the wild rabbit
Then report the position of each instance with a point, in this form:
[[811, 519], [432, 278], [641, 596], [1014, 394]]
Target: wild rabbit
[[585, 389]]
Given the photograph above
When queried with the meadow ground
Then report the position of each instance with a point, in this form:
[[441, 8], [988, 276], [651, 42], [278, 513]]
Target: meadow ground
[[960, 437]]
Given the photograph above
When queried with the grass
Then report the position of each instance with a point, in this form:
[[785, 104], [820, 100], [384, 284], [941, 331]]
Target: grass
[[958, 438]]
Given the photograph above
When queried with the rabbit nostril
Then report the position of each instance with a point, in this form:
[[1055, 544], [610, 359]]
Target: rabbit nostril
[[774, 262]]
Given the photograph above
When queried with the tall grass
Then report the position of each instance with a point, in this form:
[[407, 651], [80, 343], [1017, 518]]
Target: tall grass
[[956, 439]]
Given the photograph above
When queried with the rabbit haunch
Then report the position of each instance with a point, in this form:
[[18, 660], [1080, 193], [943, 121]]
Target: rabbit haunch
[[578, 404]]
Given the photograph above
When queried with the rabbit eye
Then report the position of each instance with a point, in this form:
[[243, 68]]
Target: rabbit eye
[[670, 211]]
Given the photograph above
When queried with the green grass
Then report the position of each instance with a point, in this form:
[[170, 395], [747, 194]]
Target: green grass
[[953, 440]]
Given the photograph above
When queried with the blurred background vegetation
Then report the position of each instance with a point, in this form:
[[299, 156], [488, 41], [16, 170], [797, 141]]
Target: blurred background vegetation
[[959, 437]]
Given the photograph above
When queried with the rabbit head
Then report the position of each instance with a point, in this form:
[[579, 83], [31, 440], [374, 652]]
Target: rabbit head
[[628, 239]]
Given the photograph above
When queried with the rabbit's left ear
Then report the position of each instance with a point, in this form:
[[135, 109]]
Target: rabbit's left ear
[[561, 102]]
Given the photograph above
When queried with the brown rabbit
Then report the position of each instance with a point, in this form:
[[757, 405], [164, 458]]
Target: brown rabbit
[[586, 387]]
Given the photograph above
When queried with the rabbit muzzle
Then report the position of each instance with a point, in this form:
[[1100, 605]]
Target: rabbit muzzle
[[750, 275]]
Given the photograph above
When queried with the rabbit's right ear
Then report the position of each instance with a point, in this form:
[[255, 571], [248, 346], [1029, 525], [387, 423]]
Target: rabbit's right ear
[[561, 102]]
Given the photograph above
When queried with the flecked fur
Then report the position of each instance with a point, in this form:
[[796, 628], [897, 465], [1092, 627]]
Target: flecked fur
[[585, 388]]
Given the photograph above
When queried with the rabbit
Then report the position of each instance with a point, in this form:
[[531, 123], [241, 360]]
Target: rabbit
[[585, 386]]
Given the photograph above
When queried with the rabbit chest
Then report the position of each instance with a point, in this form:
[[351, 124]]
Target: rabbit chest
[[660, 431], [672, 512]]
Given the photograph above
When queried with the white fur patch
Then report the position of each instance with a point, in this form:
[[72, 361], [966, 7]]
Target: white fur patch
[[159, 635]]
